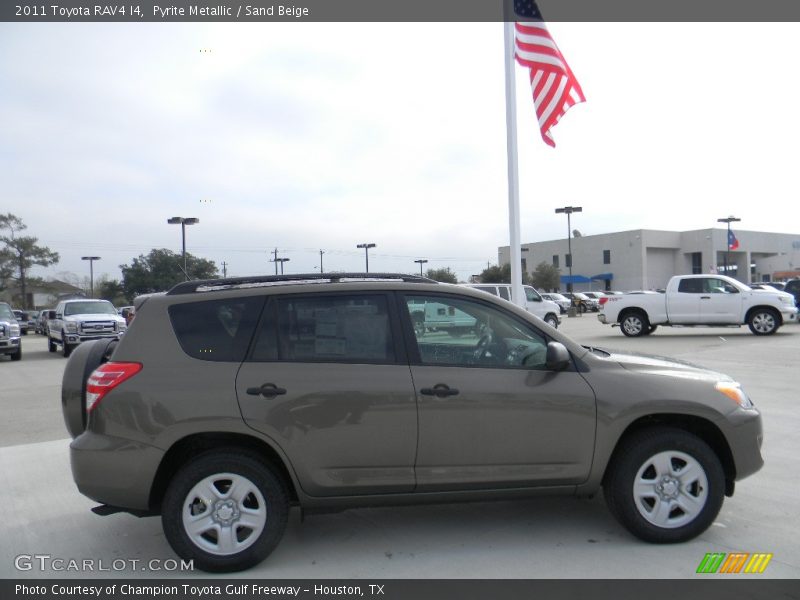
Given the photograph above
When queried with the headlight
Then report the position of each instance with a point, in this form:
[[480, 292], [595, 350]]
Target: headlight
[[786, 300], [14, 330], [734, 391], [71, 327]]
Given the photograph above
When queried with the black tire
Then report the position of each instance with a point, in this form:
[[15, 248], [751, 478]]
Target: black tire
[[17, 355], [656, 514], [634, 324], [764, 321], [51, 345], [226, 462], [551, 320], [66, 349]]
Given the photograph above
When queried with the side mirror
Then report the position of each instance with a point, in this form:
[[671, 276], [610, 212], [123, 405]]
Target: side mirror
[[557, 357], [51, 314]]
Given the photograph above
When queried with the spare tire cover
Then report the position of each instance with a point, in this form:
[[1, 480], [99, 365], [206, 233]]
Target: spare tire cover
[[84, 359]]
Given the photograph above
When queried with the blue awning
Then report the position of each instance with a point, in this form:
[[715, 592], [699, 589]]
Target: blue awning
[[603, 277], [575, 279]]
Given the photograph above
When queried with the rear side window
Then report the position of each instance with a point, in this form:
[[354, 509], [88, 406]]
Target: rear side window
[[487, 288], [691, 286], [342, 328], [504, 293], [216, 330]]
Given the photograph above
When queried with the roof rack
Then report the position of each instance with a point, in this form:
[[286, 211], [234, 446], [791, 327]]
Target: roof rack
[[190, 287]]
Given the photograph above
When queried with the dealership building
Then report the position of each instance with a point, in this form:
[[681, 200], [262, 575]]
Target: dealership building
[[645, 259]]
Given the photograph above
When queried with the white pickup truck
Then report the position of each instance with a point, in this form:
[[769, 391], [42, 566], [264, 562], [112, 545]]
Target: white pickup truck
[[699, 300]]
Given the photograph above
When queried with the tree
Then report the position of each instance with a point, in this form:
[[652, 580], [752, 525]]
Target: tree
[[496, 274], [21, 253], [443, 275], [113, 291], [162, 269], [546, 276]]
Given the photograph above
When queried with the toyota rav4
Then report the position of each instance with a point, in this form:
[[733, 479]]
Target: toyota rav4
[[229, 401]]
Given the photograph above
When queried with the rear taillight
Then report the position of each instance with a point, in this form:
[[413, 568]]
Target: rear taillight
[[105, 378], [603, 301]]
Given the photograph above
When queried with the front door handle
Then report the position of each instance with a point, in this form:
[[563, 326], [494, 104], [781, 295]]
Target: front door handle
[[705, 297], [268, 390], [440, 390]]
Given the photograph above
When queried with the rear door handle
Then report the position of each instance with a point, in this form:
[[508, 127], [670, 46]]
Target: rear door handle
[[268, 390], [705, 297], [440, 390]]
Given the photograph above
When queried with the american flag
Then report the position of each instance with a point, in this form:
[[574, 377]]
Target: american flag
[[555, 88]]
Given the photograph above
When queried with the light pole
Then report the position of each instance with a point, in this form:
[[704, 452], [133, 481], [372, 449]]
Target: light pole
[[728, 220], [282, 260], [421, 262], [366, 248], [568, 210], [91, 260], [321, 252], [183, 222]]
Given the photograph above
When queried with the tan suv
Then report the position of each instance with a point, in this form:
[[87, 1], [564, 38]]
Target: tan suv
[[229, 401]]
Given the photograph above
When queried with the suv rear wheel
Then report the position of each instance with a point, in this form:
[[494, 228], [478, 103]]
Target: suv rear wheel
[[665, 485], [226, 510]]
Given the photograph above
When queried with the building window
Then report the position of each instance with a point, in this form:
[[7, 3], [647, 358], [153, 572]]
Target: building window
[[606, 257], [555, 260], [568, 260], [697, 263]]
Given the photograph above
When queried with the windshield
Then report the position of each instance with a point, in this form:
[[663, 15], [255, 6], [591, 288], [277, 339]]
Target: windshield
[[5, 312], [90, 308]]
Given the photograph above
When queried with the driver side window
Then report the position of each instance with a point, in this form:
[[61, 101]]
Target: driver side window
[[465, 333]]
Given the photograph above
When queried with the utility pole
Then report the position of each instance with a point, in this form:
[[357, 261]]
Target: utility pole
[[275, 259], [281, 260], [224, 269], [321, 252]]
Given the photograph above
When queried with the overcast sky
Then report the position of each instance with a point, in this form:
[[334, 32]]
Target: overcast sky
[[309, 136]]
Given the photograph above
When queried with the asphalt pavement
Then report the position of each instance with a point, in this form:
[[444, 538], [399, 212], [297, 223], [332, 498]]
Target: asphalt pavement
[[44, 515]]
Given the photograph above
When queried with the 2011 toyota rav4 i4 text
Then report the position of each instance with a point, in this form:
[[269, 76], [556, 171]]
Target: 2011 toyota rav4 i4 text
[[229, 401]]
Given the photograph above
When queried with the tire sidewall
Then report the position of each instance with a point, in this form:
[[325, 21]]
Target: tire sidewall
[[618, 486], [206, 465]]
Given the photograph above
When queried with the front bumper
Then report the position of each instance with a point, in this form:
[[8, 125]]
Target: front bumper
[[789, 315], [77, 338], [745, 435], [9, 345]]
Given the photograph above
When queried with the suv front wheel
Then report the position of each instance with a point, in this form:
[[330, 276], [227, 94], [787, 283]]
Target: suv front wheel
[[665, 485], [225, 510]]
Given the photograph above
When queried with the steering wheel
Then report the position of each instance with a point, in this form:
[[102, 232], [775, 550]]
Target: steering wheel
[[482, 347]]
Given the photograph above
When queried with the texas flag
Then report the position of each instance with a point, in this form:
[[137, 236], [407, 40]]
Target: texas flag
[[733, 243]]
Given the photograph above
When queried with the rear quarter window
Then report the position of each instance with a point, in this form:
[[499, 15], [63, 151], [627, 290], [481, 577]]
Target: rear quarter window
[[216, 330]]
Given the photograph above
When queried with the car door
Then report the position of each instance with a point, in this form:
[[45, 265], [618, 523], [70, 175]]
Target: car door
[[720, 302], [327, 380], [490, 414], [683, 306]]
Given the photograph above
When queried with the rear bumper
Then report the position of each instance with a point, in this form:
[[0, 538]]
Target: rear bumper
[[114, 471]]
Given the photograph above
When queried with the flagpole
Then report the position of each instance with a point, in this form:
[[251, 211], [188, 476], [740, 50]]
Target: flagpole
[[517, 293]]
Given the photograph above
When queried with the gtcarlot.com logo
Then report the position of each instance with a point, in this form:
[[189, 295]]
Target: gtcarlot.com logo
[[735, 562]]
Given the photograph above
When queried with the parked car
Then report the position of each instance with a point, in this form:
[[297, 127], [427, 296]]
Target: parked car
[[546, 310], [778, 285], [229, 401], [596, 296], [563, 302], [22, 319], [583, 302], [10, 343], [793, 287], [700, 300], [80, 320]]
